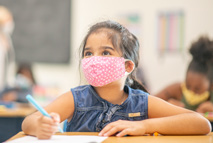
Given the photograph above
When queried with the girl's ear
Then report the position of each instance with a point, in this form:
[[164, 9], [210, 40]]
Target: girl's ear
[[129, 66]]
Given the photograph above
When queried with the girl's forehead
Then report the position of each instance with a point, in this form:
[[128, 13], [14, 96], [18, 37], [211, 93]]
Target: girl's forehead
[[106, 33], [98, 39], [104, 37]]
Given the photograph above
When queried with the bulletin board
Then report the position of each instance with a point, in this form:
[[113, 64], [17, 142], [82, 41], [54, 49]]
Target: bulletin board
[[42, 30]]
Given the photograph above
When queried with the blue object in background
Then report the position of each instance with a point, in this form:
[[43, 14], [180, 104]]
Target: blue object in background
[[7, 104]]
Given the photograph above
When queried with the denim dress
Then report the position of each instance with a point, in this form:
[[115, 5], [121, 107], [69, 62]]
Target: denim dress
[[92, 113]]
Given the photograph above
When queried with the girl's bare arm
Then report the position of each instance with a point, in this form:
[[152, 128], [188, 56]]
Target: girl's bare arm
[[166, 118], [63, 107]]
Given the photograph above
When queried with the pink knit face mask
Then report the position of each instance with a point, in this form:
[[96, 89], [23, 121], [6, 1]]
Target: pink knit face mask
[[100, 70]]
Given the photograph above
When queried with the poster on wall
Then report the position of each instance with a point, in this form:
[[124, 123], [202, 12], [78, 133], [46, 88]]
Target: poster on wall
[[170, 32]]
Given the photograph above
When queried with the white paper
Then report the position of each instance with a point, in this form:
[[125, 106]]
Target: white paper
[[61, 139]]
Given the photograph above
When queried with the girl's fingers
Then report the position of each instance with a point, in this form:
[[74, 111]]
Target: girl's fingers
[[49, 128], [109, 126], [45, 133], [46, 120], [113, 130], [44, 136], [106, 129], [55, 117], [123, 132], [122, 128]]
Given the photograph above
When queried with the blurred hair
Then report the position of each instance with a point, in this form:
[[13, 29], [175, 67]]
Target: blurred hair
[[202, 57], [26, 67]]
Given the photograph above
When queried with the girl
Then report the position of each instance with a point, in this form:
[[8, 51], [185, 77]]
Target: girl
[[114, 103], [196, 92]]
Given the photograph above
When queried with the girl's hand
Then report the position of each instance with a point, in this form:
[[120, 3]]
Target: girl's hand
[[176, 102], [205, 107], [122, 128], [47, 126]]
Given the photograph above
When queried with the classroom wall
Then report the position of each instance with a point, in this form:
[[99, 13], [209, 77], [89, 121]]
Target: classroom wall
[[159, 71]]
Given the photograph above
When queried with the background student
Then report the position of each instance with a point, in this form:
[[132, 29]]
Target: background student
[[24, 83], [113, 103], [7, 55], [196, 91]]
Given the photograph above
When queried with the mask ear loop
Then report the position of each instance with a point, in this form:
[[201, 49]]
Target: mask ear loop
[[127, 73]]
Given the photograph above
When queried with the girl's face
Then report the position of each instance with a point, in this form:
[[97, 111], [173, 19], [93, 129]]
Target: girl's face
[[197, 82], [98, 44]]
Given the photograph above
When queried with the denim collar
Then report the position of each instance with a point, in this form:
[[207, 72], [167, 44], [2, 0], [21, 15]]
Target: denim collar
[[127, 89]]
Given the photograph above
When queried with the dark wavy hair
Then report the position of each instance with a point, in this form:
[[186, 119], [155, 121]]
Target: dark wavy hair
[[121, 39]]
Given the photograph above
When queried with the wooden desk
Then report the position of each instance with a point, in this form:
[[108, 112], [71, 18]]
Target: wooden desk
[[11, 120], [17, 112], [139, 139]]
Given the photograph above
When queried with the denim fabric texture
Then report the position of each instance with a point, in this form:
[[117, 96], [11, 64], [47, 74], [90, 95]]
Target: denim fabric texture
[[92, 113]]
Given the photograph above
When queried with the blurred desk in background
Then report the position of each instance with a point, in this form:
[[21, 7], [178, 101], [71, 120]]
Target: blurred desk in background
[[11, 120], [11, 117]]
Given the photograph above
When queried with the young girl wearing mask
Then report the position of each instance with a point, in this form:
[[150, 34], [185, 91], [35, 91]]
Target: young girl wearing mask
[[113, 103], [196, 92]]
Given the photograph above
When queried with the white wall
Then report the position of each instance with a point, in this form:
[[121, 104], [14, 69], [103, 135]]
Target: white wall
[[159, 71]]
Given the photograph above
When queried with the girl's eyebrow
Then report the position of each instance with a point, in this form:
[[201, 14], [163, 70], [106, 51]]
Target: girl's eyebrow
[[102, 47], [107, 47], [88, 48]]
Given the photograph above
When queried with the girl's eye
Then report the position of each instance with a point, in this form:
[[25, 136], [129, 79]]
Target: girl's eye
[[88, 54], [106, 53]]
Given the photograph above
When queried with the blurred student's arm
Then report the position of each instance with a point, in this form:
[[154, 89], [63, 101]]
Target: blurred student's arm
[[171, 91], [204, 107]]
